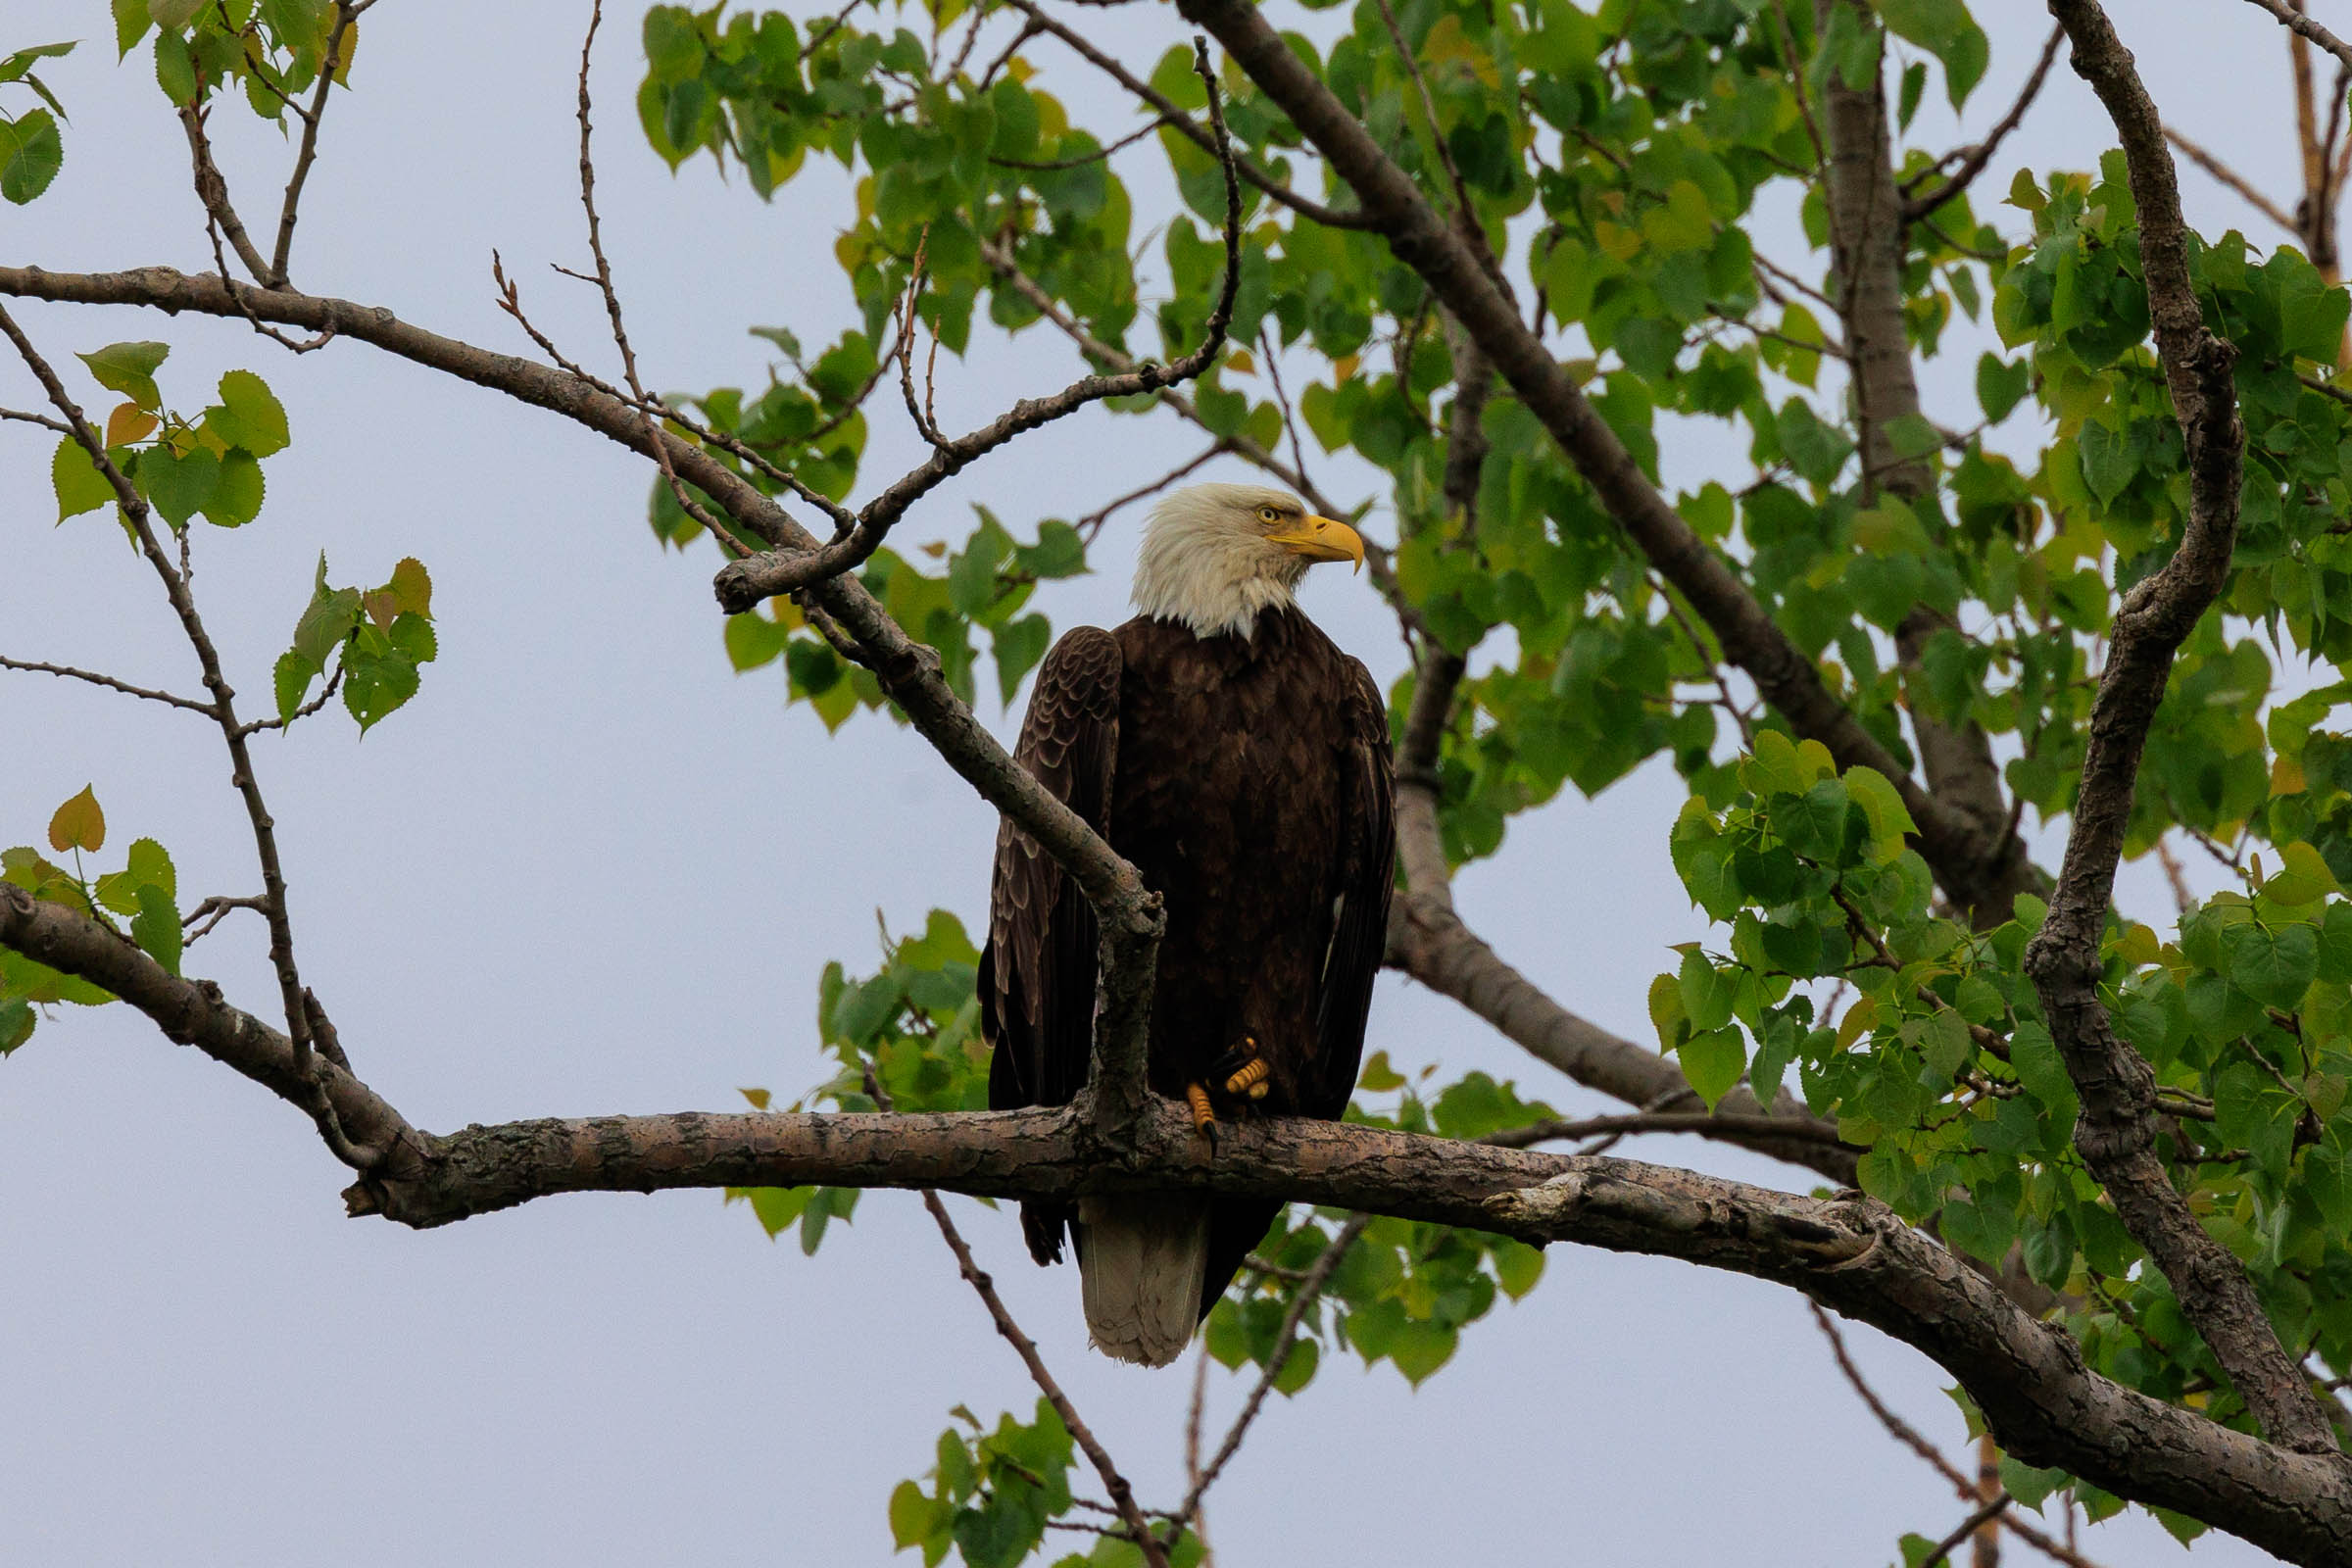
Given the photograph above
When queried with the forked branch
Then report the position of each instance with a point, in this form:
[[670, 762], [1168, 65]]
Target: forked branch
[[747, 582]]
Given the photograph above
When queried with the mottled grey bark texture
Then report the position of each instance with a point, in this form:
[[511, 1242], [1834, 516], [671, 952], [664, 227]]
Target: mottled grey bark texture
[[1868, 246], [2117, 1131]]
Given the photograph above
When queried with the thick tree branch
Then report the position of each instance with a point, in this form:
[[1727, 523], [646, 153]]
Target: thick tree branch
[[192, 1013], [1951, 841], [1849, 1253], [1868, 250], [2117, 1131]]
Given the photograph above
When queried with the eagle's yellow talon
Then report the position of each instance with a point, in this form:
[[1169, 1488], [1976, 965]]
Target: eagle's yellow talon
[[1197, 1096], [1251, 1079]]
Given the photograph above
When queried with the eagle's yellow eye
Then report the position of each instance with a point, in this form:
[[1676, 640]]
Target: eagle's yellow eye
[[1269, 514]]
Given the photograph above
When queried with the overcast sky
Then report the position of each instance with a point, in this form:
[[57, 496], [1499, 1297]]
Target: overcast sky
[[591, 870]]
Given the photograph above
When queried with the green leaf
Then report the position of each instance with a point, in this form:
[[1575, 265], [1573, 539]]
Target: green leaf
[[752, 639], [292, 679], [1890, 819], [30, 155], [915, 1517], [156, 928], [1946, 29], [79, 487], [2000, 384], [16, 1019], [178, 486], [2274, 967], [129, 369], [412, 587], [132, 22], [2028, 1484], [1018, 645], [1708, 992], [1713, 1061], [259, 414], [175, 66], [2108, 462], [236, 494]]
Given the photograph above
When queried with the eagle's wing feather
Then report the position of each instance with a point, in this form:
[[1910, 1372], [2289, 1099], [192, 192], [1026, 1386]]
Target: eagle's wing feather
[[1367, 865], [1037, 971]]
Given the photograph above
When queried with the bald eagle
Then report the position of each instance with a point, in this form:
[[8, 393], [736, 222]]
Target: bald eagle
[[1229, 751]]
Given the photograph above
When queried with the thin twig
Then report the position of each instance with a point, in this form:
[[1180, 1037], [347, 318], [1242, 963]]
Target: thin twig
[[1083, 158], [307, 151], [2294, 20], [1284, 1338], [1973, 163], [1091, 524], [109, 682], [1968, 1526], [325, 694], [212, 189], [1707, 1125], [1908, 1435], [2232, 178], [746, 582], [137, 513], [725, 538], [1122, 1495], [212, 912]]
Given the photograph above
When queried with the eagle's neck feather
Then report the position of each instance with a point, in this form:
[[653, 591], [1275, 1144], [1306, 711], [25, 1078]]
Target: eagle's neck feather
[[1215, 580]]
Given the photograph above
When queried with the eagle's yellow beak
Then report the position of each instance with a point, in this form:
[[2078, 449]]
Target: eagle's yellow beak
[[1321, 539]]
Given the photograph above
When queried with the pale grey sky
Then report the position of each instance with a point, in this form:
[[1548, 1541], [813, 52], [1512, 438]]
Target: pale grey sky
[[591, 870]]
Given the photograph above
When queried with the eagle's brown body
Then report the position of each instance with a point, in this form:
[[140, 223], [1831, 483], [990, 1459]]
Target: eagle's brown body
[[1248, 779]]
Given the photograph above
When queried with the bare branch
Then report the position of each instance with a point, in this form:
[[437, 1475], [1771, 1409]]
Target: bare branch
[[224, 712], [1847, 1253], [1376, 559], [1967, 1528], [746, 582], [2294, 20], [212, 189], [2116, 1134], [1285, 1340], [2232, 179], [307, 151], [109, 682], [1083, 158], [1122, 1495], [1725, 1125], [1974, 159], [325, 695]]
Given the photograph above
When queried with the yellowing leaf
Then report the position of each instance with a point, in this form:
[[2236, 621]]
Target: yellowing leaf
[[78, 824], [2286, 776], [128, 423], [412, 587]]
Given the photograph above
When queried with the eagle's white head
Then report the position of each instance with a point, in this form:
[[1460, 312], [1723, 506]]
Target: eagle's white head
[[1216, 555]]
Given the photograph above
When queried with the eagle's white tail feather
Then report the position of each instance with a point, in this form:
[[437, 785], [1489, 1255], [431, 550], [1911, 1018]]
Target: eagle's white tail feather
[[1142, 1259]]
